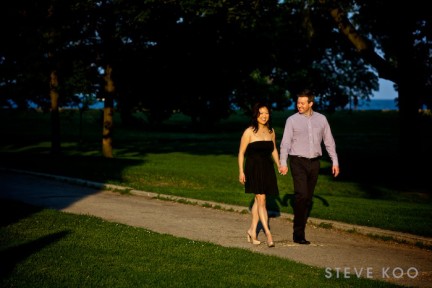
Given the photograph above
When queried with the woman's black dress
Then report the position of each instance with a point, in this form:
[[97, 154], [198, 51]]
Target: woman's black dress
[[259, 169]]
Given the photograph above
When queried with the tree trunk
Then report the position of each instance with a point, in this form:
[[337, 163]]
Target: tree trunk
[[410, 88], [107, 149], [55, 115]]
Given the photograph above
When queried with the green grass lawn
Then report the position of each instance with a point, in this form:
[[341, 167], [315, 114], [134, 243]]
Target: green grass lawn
[[174, 159], [47, 248]]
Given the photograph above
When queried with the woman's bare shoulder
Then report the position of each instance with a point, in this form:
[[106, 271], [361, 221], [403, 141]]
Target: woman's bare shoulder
[[249, 130]]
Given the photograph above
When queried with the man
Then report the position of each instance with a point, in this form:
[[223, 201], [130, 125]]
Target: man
[[301, 142]]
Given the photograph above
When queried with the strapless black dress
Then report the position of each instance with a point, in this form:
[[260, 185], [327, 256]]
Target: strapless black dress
[[259, 169]]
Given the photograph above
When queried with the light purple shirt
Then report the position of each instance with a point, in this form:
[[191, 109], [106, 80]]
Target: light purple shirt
[[303, 136]]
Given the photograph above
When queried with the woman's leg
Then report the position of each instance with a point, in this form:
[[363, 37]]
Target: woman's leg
[[252, 232], [260, 200]]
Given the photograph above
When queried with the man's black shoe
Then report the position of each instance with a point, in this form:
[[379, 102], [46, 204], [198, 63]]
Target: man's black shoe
[[302, 241]]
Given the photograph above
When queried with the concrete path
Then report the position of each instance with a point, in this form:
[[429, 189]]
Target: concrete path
[[340, 252]]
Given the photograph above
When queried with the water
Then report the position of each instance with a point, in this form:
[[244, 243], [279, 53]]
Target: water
[[376, 104]]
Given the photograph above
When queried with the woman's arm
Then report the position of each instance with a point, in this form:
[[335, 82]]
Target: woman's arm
[[244, 141], [275, 153]]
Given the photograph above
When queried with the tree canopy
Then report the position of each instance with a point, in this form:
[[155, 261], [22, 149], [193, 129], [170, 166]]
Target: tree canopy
[[209, 58]]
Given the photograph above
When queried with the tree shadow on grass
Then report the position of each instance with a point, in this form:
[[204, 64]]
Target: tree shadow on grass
[[11, 212], [288, 200], [11, 256], [102, 169]]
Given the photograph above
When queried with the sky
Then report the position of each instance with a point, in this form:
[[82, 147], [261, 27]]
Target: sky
[[386, 90]]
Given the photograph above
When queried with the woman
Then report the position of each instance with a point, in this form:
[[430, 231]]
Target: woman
[[256, 158]]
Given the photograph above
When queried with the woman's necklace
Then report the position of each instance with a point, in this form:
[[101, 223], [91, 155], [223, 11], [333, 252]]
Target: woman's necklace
[[264, 133]]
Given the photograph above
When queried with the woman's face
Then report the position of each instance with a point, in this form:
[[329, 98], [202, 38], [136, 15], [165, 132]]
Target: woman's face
[[263, 116]]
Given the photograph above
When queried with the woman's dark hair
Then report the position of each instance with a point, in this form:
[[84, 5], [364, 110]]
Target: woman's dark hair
[[255, 115]]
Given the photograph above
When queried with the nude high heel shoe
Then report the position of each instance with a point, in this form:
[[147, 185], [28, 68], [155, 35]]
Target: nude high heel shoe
[[271, 243], [251, 239]]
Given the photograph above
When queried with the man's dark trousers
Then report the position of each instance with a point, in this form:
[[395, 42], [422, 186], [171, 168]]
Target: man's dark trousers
[[305, 176]]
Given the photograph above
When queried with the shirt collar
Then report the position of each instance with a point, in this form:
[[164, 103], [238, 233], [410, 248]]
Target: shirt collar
[[307, 116]]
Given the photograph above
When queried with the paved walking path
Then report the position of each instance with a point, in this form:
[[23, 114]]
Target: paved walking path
[[341, 252]]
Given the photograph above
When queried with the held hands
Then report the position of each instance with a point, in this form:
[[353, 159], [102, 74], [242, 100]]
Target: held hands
[[283, 170]]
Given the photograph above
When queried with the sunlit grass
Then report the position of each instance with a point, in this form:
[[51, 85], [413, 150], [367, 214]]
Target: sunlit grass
[[46, 248]]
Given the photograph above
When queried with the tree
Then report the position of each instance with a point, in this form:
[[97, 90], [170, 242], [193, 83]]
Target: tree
[[207, 58], [402, 32], [108, 115]]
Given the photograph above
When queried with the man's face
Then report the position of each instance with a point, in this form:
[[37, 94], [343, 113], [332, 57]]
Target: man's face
[[303, 106]]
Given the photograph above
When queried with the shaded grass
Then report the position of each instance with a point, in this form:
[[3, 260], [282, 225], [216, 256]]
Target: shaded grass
[[48, 248]]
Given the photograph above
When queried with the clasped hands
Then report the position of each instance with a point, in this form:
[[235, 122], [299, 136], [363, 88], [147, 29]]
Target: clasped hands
[[283, 170]]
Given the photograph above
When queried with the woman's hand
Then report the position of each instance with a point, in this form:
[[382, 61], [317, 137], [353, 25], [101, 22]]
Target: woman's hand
[[242, 178]]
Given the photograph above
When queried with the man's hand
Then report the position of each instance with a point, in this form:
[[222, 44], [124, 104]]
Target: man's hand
[[335, 171]]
